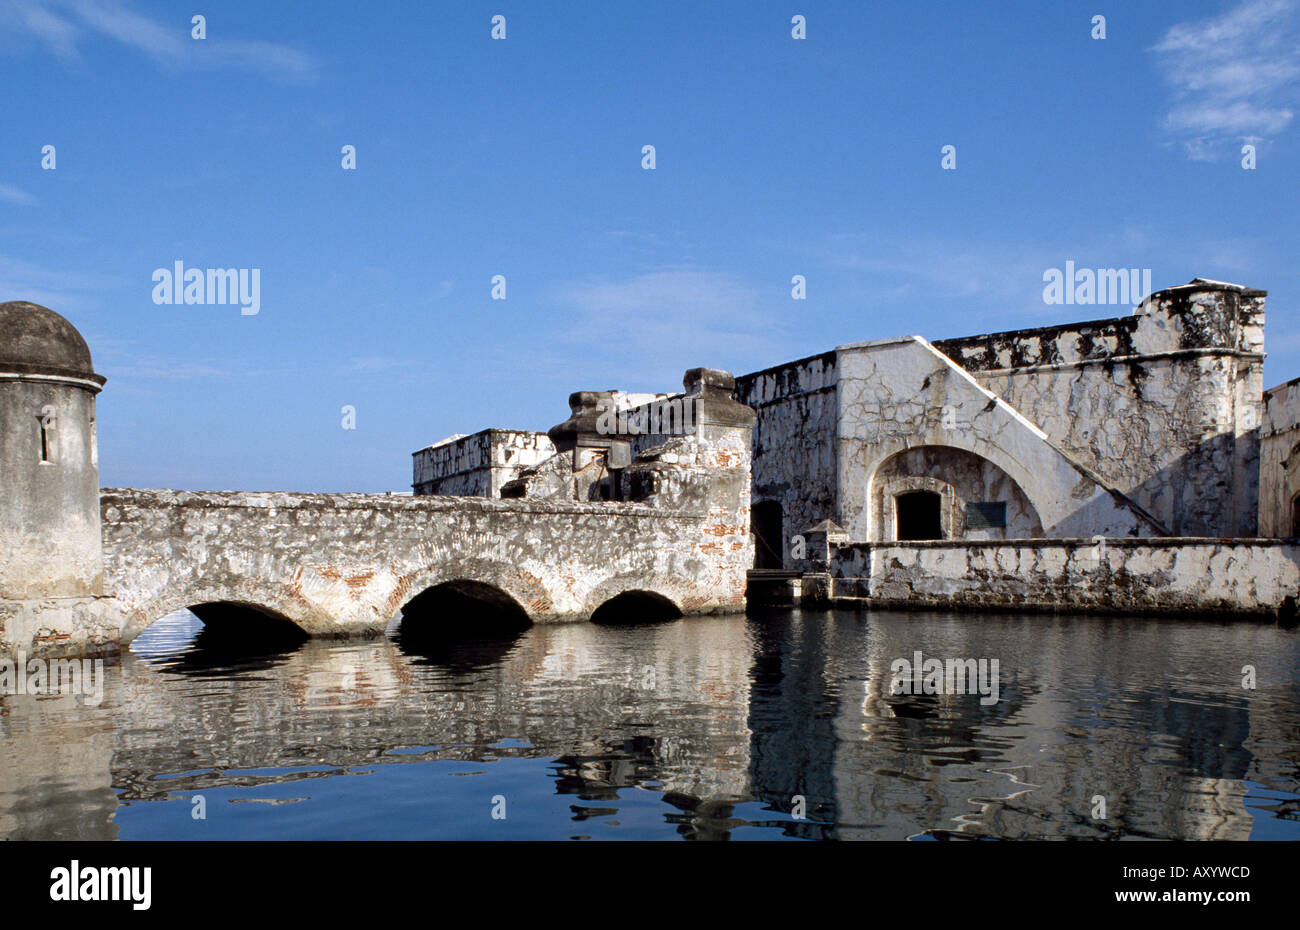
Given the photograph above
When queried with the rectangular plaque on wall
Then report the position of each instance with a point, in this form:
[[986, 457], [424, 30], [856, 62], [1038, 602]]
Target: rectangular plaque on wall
[[986, 515]]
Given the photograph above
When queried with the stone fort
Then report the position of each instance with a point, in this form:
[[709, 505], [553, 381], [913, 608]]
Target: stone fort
[[1127, 464]]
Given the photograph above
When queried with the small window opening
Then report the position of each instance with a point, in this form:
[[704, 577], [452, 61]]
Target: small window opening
[[46, 424]]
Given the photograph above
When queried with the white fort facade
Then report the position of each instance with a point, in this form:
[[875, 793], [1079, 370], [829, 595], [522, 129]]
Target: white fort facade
[[1126, 463]]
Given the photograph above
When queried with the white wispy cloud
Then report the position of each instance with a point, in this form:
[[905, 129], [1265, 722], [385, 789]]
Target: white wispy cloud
[[63, 26], [164, 371], [981, 284], [11, 194], [658, 323], [376, 363], [931, 264], [1236, 76], [56, 288]]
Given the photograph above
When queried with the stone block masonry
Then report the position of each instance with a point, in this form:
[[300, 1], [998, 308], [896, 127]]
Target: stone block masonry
[[342, 564], [1185, 575], [1279, 462], [478, 465]]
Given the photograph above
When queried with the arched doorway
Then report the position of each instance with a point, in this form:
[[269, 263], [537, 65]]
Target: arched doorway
[[919, 515], [943, 492]]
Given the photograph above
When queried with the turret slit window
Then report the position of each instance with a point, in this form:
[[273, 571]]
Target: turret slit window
[[46, 424]]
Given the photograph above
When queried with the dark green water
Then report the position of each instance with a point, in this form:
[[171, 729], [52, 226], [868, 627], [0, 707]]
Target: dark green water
[[706, 728]]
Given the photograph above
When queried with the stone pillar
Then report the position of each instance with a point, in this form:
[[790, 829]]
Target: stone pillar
[[580, 434], [723, 454], [701, 469], [51, 551], [581, 440]]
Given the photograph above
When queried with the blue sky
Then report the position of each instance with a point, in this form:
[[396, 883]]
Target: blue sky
[[522, 157]]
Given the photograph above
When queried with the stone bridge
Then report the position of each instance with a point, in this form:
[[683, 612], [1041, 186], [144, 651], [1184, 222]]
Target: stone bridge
[[342, 564], [675, 541], [655, 525]]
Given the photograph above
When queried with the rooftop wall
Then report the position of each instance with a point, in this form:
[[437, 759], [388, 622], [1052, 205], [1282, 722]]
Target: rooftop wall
[[1047, 345], [479, 464], [1199, 315]]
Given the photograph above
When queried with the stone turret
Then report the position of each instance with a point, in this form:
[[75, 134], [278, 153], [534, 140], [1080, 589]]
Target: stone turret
[[51, 553]]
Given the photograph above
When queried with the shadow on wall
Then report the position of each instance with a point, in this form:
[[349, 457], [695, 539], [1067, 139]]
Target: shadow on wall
[[925, 493], [1166, 494]]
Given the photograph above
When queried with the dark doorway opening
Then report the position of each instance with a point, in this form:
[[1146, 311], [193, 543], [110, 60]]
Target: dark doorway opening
[[765, 520], [918, 515]]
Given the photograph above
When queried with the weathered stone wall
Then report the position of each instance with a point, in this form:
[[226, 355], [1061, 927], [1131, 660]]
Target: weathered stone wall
[[480, 464], [614, 443], [346, 563], [794, 442], [1194, 575], [1279, 461], [1159, 430], [653, 423], [897, 394], [49, 533], [1164, 405], [1063, 344], [51, 566]]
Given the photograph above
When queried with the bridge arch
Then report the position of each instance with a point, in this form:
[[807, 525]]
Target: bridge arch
[[633, 600], [473, 578], [635, 607], [276, 604], [460, 606], [226, 631]]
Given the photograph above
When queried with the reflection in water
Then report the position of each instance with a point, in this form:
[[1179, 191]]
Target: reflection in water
[[709, 728]]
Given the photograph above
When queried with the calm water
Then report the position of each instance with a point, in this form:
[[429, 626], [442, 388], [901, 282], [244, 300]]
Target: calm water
[[700, 729]]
